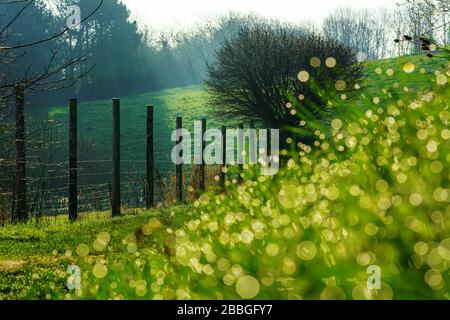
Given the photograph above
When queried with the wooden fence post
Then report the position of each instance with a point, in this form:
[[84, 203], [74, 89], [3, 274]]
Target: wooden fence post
[[21, 214], [150, 197], [73, 170], [116, 159], [224, 157], [202, 165], [241, 150], [179, 167]]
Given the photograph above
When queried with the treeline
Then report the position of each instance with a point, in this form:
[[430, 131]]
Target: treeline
[[114, 56], [111, 55], [377, 34]]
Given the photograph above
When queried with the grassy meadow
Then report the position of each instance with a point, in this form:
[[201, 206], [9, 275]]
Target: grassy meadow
[[371, 190], [95, 121], [95, 117]]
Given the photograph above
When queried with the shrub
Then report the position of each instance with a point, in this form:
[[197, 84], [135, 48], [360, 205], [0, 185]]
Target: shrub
[[258, 68]]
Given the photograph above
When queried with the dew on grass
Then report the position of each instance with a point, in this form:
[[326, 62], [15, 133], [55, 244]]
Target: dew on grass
[[82, 250], [332, 293], [247, 287], [315, 62], [330, 62], [306, 250], [303, 76], [99, 270], [409, 67], [441, 79], [340, 85]]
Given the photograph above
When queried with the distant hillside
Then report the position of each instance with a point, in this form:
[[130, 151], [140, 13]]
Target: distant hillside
[[191, 103]]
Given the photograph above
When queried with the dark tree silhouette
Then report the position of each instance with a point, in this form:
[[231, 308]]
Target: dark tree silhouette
[[256, 72]]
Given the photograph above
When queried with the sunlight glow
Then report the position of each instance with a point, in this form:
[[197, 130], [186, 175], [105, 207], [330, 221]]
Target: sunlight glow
[[180, 14]]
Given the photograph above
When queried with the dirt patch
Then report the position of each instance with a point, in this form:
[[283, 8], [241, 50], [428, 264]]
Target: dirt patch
[[11, 265]]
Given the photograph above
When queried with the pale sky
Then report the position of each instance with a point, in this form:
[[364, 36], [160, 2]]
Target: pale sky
[[178, 14]]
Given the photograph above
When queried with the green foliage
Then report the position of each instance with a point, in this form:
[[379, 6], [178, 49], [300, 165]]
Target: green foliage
[[372, 190]]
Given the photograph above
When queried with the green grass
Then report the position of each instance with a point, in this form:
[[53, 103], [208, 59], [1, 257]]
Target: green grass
[[46, 249], [95, 121], [418, 80], [95, 139], [54, 234], [376, 83], [95, 117], [373, 190]]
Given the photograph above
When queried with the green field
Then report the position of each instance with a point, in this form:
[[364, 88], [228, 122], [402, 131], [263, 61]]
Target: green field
[[95, 141], [373, 191], [95, 121], [29, 253], [95, 117]]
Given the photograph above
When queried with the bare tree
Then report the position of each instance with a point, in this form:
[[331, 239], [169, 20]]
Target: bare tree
[[369, 32], [256, 72], [50, 75], [53, 75], [423, 22]]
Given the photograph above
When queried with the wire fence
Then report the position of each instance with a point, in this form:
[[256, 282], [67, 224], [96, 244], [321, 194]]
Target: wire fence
[[45, 171], [48, 178]]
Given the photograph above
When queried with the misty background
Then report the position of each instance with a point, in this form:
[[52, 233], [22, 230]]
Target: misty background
[[123, 54]]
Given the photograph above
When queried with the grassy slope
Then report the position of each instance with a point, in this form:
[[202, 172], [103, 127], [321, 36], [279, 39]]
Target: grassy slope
[[400, 85], [31, 252], [95, 121], [95, 118], [38, 255]]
